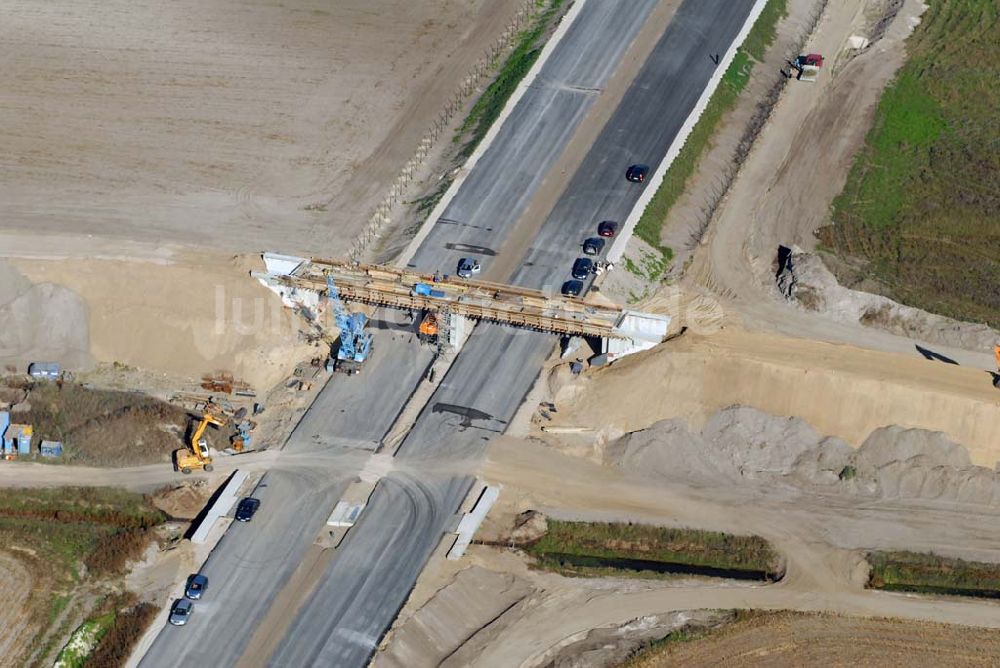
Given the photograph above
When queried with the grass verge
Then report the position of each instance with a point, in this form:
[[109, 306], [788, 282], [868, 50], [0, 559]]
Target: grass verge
[[723, 99], [921, 207], [487, 108], [603, 548], [931, 574]]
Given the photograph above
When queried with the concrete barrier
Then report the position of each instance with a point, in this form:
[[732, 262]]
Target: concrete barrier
[[222, 505], [470, 522]]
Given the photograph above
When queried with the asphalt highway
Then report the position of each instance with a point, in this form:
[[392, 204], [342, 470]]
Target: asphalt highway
[[342, 622], [498, 189], [254, 561]]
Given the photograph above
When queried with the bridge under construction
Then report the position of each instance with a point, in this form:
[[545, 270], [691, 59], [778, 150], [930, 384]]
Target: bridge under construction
[[302, 282]]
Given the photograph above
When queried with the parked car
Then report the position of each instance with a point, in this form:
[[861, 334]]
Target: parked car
[[582, 267], [245, 511], [180, 612], [593, 246], [608, 228], [468, 266], [195, 586], [572, 288], [636, 173]]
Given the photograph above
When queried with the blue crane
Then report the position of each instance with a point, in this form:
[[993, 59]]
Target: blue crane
[[355, 340]]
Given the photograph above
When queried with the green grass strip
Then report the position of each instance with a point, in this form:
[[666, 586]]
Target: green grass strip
[[929, 573], [723, 100]]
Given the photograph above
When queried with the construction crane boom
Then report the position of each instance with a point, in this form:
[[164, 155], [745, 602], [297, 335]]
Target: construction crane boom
[[355, 341]]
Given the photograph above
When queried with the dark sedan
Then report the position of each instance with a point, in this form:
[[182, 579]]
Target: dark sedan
[[245, 511], [582, 268], [637, 173]]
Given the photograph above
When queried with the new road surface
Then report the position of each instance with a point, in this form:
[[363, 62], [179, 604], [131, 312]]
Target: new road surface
[[376, 567], [343, 620]]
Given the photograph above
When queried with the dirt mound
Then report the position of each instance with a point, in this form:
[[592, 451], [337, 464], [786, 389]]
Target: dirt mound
[[741, 444], [839, 390], [805, 280], [184, 501], [528, 526], [41, 322], [610, 646]]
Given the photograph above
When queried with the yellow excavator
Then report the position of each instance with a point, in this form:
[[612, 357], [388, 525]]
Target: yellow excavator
[[196, 457]]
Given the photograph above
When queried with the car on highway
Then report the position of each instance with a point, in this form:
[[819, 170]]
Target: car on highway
[[593, 246], [468, 267], [572, 288], [636, 173], [195, 586], [180, 612], [582, 267], [608, 228], [245, 511]]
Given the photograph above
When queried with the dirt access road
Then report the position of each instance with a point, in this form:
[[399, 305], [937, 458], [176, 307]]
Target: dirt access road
[[821, 539], [797, 166], [222, 124]]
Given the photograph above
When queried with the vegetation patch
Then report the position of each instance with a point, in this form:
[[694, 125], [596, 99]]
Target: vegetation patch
[[723, 99], [129, 621], [605, 548], [106, 427], [655, 653], [74, 542], [83, 641], [526, 50], [931, 574], [921, 207]]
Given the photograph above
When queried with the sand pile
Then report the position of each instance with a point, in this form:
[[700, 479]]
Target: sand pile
[[839, 390], [745, 445], [194, 315], [184, 501], [40, 322]]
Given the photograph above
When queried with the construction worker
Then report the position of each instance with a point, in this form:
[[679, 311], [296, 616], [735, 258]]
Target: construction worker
[[996, 376]]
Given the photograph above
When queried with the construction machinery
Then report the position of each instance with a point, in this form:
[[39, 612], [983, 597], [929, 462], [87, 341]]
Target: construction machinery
[[428, 330], [355, 339], [807, 66], [996, 376], [196, 457]]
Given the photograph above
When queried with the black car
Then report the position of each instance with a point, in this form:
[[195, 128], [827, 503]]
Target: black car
[[246, 509], [582, 267], [572, 288], [608, 228], [593, 246], [636, 173]]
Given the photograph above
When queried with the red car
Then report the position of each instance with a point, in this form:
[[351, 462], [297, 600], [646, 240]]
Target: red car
[[608, 228]]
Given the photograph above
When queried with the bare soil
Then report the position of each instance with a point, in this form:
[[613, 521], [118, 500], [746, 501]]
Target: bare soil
[[795, 639], [222, 124]]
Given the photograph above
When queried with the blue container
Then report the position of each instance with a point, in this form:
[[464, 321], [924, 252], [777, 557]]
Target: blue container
[[422, 289], [4, 423], [52, 449]]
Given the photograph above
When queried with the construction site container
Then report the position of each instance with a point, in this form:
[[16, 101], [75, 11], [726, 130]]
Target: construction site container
[[17, 439], [52, 449], [4, 423], [49, 370]]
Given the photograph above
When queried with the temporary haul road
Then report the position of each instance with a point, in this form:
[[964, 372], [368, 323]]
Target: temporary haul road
[[375, 568]]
